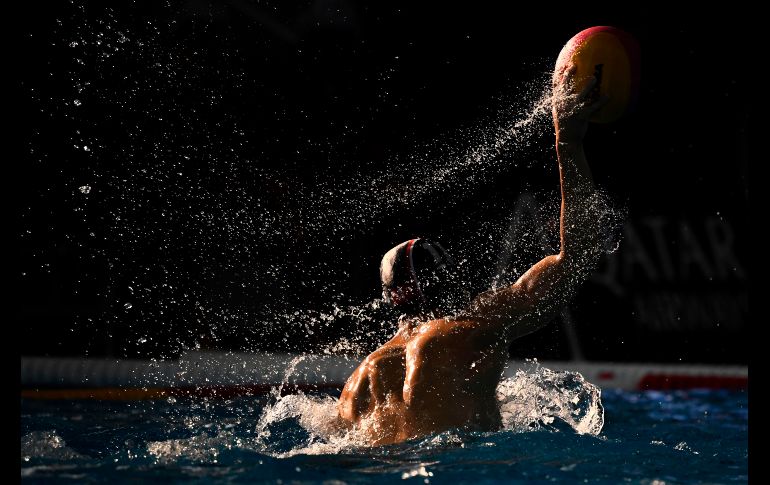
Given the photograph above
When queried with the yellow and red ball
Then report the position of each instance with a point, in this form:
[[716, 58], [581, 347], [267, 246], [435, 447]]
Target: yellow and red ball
[[611, 55]]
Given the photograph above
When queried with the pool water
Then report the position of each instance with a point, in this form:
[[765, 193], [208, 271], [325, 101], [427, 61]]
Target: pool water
[[647, 437]]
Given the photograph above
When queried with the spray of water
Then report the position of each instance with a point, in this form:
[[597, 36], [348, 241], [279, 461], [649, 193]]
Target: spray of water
[[168, 183]]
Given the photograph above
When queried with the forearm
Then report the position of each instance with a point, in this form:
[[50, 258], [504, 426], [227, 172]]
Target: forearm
[[577, 231]]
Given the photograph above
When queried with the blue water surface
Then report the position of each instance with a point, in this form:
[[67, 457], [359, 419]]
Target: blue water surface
[[648, 437]]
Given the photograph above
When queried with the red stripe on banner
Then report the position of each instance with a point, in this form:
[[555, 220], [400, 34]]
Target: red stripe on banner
[[678, 381], [134, 394]]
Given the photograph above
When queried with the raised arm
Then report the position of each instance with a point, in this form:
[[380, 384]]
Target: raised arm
[[538, 295]]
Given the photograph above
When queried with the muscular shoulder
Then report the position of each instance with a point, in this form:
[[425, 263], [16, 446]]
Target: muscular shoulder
[[356, 398], [449, 335], [386, 352]]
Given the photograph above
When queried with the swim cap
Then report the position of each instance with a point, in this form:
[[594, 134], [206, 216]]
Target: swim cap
[[415, 274]]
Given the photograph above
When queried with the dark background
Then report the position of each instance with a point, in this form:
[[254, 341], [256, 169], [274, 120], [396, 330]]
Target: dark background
[[200, 174]]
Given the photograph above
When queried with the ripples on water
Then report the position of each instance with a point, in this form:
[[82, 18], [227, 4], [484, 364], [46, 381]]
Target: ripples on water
[[554, 430]]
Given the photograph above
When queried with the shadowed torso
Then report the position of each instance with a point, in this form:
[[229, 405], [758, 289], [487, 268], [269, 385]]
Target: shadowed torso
[[429, 377]]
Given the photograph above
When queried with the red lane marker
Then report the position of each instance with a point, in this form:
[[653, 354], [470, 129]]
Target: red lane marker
[[678, 381]]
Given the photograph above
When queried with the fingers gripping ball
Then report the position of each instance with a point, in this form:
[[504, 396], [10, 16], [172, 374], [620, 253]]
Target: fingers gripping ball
[[612, 56]]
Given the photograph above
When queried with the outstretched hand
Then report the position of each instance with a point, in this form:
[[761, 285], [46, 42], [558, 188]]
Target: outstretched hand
[[571, 110]]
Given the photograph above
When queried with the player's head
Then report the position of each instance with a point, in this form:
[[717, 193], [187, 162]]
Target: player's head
[[419, 277]]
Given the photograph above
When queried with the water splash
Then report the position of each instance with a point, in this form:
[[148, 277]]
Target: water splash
[[539, 396], [534, 398], [48, 445]]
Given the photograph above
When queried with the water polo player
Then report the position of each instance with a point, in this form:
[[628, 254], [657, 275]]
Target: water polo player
[[441, 369]]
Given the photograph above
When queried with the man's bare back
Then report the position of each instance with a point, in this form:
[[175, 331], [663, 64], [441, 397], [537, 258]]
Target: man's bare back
[[437, 375], [443, 373]]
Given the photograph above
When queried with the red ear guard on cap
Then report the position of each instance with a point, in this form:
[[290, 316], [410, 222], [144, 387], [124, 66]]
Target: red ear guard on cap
[[400, 267]]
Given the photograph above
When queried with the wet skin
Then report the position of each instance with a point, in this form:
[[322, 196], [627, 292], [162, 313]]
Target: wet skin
[[442, 374]]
